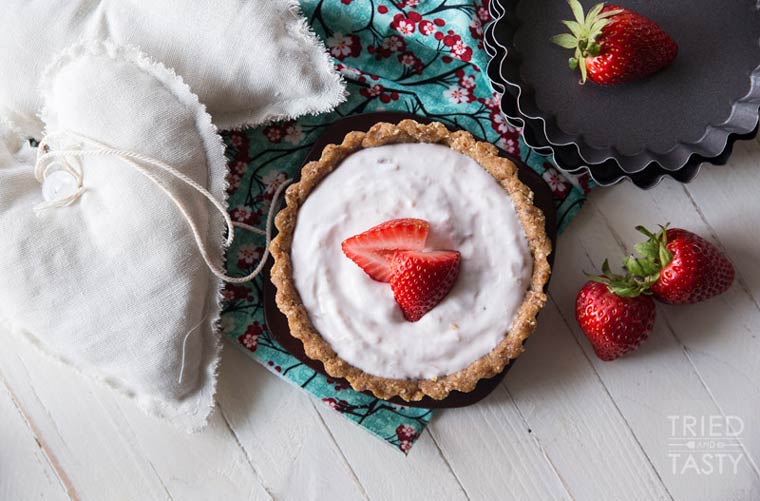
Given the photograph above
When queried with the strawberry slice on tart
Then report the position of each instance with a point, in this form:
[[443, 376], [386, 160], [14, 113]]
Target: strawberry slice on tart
[[421, 280], [393, 252], [373, 249]]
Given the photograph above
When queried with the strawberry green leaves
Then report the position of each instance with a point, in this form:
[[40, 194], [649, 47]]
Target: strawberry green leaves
[[641, 272], [629, 285], [584, 34]]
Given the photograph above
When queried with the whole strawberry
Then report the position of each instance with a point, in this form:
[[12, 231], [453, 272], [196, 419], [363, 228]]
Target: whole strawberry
[[681, 267], [614, 45], [615, 314]]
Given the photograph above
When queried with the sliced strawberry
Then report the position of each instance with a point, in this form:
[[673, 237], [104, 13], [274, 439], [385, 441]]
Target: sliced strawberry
[[373, 249], [420, 280]]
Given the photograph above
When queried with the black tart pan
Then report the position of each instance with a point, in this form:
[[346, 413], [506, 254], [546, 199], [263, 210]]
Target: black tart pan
[[683, 161]]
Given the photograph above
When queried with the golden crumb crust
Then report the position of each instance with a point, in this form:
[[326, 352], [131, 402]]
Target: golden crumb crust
[[531, 217]]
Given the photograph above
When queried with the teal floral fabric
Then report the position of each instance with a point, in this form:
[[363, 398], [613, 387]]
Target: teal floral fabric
[[416, 56]]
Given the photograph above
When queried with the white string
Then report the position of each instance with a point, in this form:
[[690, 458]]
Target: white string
[[49, 160], [184, 348]]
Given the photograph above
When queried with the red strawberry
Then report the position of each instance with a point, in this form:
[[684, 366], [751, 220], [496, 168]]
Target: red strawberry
[[614, 45], [373, 249], [614, 324], [681, 267], [420, 280]]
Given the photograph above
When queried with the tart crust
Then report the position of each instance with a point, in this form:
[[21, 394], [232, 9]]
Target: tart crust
[[531, 218]]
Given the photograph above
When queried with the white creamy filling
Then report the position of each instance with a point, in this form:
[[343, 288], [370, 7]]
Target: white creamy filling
[[467, 210]]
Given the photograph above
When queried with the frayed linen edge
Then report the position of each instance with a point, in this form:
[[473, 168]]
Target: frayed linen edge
[[191, 412]]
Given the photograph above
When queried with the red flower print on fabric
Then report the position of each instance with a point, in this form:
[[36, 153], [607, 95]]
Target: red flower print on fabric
[[426, 27], [233, 182], [499, 123], [468, 82], [284, 131], [492, 103], [273, 180], [390, 45], [232, 292], [583, 182], [238, 167], [460, 51], [406, 432], [458, 95], [379, 92], [339, 405], [509, 144], [556, 182], [274, 133], [238, 139], [343, 46], [339, 385], [406, 436], [455, 44], [249, 255], [476, 29], [250, 338], [409, 60], [403, 25], [406, 25], [244, 214], [483, 13], [350, 73], [373, 91], [394, 43]]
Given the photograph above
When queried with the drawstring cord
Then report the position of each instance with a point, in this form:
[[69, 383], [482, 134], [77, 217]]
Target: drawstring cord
[[49, 160]]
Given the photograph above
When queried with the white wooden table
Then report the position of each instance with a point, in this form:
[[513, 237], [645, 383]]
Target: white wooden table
[[562, 425]]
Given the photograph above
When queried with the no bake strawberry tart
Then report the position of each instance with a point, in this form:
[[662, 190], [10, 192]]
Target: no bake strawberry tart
[[411, 260]]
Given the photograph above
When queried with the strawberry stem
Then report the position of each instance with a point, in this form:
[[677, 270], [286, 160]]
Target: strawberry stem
[[642, 272], [628, 285], [584, 34]]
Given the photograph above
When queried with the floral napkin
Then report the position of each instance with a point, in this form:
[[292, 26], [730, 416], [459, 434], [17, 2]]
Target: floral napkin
[[416, 56]]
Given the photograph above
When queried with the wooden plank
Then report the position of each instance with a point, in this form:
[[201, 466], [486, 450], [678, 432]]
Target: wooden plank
[[385, 472], [572, 415], [720, 336], [282, 434], [494, 453], [206, 465], [103, 441], [25, 472], [655, 382]]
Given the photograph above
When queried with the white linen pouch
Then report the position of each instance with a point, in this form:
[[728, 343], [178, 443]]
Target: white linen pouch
[[114, 283], [249, 61]]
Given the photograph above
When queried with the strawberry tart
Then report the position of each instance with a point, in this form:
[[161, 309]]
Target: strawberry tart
[[411, 260]]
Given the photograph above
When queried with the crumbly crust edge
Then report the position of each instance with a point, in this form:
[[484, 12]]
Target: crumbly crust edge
[[532, 219]]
